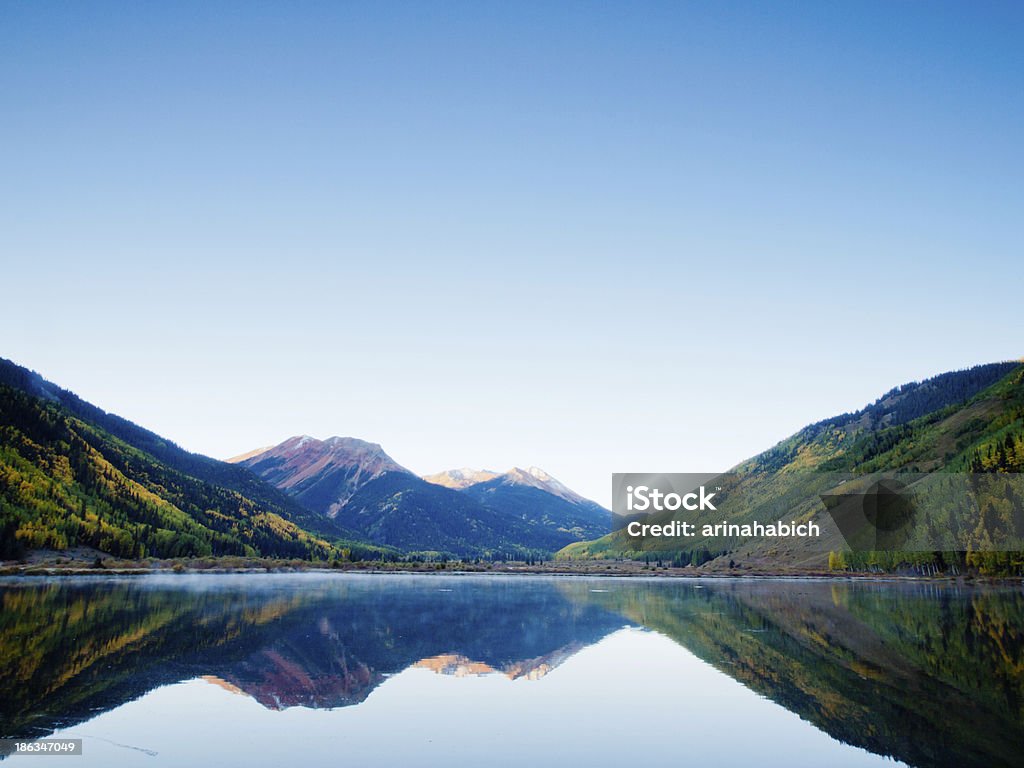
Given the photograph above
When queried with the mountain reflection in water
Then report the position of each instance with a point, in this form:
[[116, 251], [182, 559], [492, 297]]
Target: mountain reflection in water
[[930, 675]]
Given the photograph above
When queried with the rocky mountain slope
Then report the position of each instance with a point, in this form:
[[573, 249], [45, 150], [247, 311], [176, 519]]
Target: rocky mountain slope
[[464, 512]]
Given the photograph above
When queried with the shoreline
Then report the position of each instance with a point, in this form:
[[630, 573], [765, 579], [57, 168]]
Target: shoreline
[[582, 569]]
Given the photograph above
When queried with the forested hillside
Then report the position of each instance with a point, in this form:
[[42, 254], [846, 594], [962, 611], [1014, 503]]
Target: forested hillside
[[958, 423], [72, 475]]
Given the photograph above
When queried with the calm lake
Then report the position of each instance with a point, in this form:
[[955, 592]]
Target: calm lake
[[275, 670]]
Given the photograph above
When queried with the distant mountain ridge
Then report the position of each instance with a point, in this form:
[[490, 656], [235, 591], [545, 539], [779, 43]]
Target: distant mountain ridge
[[461, 479], [73, 475], [460, 511], [457, 479], [538, 499]]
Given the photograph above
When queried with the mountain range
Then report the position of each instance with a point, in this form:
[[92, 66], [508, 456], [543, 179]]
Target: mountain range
[[465, 512], [73, 475]]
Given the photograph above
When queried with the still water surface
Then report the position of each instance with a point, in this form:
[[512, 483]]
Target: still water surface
[[272, 670]]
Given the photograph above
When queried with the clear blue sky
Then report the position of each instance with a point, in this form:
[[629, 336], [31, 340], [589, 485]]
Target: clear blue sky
[[592, 237]]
